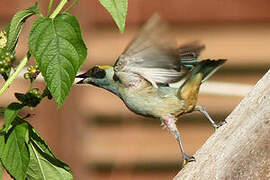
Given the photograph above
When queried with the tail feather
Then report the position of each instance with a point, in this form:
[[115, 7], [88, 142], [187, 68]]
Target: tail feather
[[207, 68]]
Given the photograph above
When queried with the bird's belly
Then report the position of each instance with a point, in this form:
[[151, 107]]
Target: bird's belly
[[153, 106]]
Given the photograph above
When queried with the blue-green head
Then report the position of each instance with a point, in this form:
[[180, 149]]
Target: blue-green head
[[100, 76]]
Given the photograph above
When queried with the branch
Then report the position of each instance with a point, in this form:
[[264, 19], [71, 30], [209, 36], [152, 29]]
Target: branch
[[241, 148]]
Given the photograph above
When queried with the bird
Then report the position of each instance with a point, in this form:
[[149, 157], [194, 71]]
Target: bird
[[142, 76]]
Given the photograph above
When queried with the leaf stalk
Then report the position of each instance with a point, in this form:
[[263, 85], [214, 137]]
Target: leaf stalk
[[71, 6], [50, 6], [58, 8]]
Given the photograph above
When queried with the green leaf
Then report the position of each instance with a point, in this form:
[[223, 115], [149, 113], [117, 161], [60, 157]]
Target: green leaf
[[26, 155], [37, 139], [1, 171], [45, 167], [118, 10], [10, 114], [2, 144], [14, 153], [43, 164], [59, 50], [16, 26]]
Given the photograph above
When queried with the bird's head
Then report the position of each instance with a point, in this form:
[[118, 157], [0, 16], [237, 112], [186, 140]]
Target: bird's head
[[97, 75], [100, 76]]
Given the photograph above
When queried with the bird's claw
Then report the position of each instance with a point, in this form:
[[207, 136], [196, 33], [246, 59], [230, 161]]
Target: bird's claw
[[188, 159], [217, 125]]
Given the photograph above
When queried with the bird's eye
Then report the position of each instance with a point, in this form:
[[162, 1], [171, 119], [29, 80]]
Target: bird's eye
[[96, 72], [116, 78]]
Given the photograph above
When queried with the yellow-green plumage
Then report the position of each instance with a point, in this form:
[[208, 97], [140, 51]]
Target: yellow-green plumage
[[142, 74], [164, 102], [157, 102]]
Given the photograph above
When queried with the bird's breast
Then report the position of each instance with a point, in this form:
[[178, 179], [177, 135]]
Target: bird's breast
[[149, 102]]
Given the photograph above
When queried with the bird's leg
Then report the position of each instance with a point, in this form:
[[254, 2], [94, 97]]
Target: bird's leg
[[213, 123], [169, 122]]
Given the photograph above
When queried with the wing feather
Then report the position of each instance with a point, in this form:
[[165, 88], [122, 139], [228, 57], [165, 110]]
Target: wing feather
[[153, 55]]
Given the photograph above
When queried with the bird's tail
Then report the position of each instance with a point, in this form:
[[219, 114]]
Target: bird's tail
[[199, 74], [206, 68]]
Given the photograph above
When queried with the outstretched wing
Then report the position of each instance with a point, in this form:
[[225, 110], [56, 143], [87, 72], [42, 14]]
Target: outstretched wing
[[152, 56], [189, 53]]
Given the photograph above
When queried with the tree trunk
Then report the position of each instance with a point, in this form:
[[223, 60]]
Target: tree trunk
[[239, 149]]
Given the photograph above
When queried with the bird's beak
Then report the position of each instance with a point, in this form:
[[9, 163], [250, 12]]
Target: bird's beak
[[80, 82], [84, 75]]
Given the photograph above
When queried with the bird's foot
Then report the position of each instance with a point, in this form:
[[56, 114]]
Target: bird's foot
[[187, 159], [217, 125]]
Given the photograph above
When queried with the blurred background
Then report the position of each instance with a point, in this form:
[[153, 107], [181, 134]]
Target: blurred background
[[97, 135]]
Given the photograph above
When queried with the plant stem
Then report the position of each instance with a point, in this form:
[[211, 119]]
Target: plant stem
[[31, 85], [15, 74], [58, 8], [71, 6], [50, 6]]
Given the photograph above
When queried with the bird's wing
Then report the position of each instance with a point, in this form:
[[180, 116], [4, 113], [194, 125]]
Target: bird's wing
[[190, 52], [152, 56]]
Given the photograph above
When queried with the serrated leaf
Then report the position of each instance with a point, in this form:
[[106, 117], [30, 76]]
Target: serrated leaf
[[118, 10], [10, 114], [14, 153], [59, 50], [44, 167], [43, 164], [39, 141], [16, 26]]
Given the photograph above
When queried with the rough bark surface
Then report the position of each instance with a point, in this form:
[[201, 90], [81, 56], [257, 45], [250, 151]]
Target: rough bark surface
[[240, 149]]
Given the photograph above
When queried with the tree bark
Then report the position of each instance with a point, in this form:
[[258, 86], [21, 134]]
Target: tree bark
[[239, 149]]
